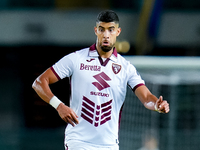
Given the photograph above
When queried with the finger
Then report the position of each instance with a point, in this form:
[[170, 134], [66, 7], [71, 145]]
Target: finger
[[163, 103], [70, 122], [167, 110], [66, 120], [76, 115], [160, 99], [74, 118], [158, 102], [164, 107]]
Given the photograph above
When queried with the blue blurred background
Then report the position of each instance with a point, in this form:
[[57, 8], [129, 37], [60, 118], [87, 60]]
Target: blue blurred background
[[34, 34]]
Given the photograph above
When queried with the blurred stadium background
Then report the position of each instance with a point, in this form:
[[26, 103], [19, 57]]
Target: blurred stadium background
[[163, 39]]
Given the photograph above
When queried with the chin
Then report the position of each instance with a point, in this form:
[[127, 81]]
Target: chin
[[106, 48]]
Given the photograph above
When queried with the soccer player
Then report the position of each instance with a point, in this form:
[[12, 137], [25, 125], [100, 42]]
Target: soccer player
[[99, 77]]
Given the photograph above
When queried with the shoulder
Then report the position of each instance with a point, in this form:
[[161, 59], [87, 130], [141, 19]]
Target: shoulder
[[77, 54], [72, 58], [66, 65], [129, 68], [82, 52], [123, 61]]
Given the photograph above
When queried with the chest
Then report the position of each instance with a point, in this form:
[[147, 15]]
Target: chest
[[92, 72]]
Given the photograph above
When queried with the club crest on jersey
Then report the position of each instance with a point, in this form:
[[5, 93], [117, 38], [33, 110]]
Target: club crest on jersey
[[116, 68]]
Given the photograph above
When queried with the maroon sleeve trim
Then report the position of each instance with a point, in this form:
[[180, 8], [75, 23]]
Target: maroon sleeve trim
[[137, 86], [55, 73]]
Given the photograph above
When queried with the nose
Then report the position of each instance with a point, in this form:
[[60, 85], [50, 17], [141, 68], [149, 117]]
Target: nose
[[106, 34]]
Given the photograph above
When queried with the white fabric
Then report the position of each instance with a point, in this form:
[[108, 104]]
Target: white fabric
[[97, 94], [79, 145]]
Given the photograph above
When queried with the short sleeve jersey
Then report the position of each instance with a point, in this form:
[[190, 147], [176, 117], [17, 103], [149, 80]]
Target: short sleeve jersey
[[98, 90]]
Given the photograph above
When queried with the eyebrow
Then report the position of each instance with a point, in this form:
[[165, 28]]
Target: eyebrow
[[108, 27]]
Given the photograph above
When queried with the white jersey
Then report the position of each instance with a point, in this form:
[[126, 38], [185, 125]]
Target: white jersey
[[98, 90]]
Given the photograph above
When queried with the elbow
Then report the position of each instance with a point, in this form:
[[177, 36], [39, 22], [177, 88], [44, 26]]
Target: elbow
[[34, 84]]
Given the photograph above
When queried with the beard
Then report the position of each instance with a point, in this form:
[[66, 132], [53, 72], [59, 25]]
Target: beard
[[106, 48]]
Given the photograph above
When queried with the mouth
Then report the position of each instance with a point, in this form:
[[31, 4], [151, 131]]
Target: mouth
[[106, 46], [106, 43]]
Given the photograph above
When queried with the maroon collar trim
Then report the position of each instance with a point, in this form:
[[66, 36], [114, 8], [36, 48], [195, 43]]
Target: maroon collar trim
[[93, 47], [103, 63]]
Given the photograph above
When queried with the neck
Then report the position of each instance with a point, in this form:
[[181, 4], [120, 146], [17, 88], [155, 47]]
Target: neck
[[103, 54]]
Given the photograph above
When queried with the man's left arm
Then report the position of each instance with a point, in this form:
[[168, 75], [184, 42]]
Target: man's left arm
[[150, 101]]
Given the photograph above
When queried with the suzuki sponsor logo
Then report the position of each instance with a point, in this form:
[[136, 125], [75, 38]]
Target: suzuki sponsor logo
[[96, 114], [99, 94], [101, 78]]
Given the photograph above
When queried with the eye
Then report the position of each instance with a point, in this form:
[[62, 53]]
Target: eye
[[111, 29], [101, 29]]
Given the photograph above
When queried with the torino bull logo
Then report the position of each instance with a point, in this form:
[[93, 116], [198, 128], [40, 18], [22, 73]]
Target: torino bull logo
[[116, 68]]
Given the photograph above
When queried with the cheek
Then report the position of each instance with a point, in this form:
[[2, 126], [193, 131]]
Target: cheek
[[100, 36], [113, 38]]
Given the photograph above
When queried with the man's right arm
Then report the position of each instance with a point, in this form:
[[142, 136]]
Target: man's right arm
[[41, 86]]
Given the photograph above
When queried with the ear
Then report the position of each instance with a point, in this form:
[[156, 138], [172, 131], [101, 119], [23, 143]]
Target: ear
[[95, 30], [119, 31]]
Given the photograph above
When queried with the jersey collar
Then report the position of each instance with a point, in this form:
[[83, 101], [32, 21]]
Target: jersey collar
[[93, 53]]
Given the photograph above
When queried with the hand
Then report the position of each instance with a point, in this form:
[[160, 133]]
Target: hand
[[162, 106], [67, 114]]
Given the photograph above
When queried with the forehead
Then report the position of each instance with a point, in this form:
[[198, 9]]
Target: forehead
[[107, 24]]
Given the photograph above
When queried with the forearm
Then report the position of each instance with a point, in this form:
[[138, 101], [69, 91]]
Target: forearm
[[150, 102], [146, 97], [41, 86]]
